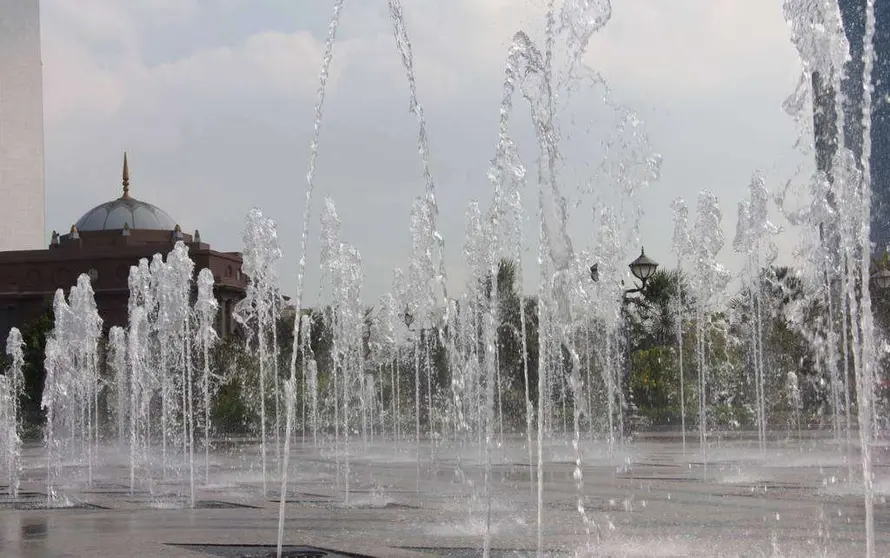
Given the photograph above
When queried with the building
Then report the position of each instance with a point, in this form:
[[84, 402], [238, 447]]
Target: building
[[104, 243], [853, 15], [23, 204]]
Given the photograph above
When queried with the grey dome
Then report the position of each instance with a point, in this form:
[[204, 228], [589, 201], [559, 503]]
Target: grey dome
[[135, 214]]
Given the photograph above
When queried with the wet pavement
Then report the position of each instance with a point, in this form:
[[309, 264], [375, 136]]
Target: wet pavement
[[645, 499]]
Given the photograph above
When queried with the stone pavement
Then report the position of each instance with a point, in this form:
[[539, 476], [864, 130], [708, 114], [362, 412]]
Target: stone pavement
[[646, 500]]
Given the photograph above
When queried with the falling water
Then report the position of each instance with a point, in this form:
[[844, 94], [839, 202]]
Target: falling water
[[206, 308], [310, 378], [140, 393], [753, 229], [72, 428], [819, 37], [471, 322], [52, 364], [424, 314], [330, 260], [524, 61], [865, 383], [160, 317], [12, 387], [348, 339], [143, 380], [682, 244], [341, 285], [154, 360], [427, 266], [258, 314], [384, 346], [710, 278], [482, 250], [290, 388], [528, 68], [175, 287], [489, 340], [10, 441], [515, 237], [162, 330], [607, 296], [507, 175], [117, 361], [793, 395]]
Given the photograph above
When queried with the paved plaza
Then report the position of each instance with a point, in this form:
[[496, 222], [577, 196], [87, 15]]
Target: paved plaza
[[644, 499]]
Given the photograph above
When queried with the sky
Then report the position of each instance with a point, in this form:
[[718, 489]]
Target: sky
[[214, 102]]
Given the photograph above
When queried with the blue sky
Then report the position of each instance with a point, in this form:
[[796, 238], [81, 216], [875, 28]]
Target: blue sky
[[214, 99]]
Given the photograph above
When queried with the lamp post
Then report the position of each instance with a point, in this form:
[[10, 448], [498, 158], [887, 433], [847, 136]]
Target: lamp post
[[642, 268]]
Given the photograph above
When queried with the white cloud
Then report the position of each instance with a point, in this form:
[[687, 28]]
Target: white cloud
[[233, 114], [264, 64], [696, 46], [75, 85], [97, 24]]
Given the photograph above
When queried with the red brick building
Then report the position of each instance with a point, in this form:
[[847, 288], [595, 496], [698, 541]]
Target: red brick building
[[105, 243]]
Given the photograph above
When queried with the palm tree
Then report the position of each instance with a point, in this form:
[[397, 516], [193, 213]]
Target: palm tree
[[652, 323], [511, 364], [782, 333], [653, 320]]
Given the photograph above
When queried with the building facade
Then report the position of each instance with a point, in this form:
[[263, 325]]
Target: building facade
[[104, 243], [853, 15], [22, 197]]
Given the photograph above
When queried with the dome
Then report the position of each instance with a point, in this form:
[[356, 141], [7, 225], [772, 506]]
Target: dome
[[128, 211], [125, 210]]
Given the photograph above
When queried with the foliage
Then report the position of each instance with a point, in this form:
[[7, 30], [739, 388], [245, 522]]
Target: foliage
[[791, 325], [785, 312], [34, 334], [655, 382], [653, 316], [510, 342]]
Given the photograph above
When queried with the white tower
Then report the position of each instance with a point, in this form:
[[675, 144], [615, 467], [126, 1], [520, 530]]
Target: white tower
[[22, 196]]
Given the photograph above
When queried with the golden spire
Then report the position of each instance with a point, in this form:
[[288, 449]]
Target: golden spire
[[126, 178]]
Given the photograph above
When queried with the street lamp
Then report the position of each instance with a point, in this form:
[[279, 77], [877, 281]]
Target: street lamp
[[643, 267], [882, 278]]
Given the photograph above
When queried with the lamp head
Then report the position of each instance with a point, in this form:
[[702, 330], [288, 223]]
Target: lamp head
[[643, 267]]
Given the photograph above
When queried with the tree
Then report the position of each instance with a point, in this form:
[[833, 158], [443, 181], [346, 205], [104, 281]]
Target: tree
[[511, 360], [653, 317], [652, 327], [34, 334], [230, 413], [785, 313]]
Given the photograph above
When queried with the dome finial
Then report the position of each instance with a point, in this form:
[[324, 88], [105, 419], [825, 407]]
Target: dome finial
[[126, 178]]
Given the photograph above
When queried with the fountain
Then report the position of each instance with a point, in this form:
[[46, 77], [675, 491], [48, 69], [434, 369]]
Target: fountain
[[71, 389], [11, 389], [258, 316], [753, 228], [493, 418], [206, 308], [681, 245]]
